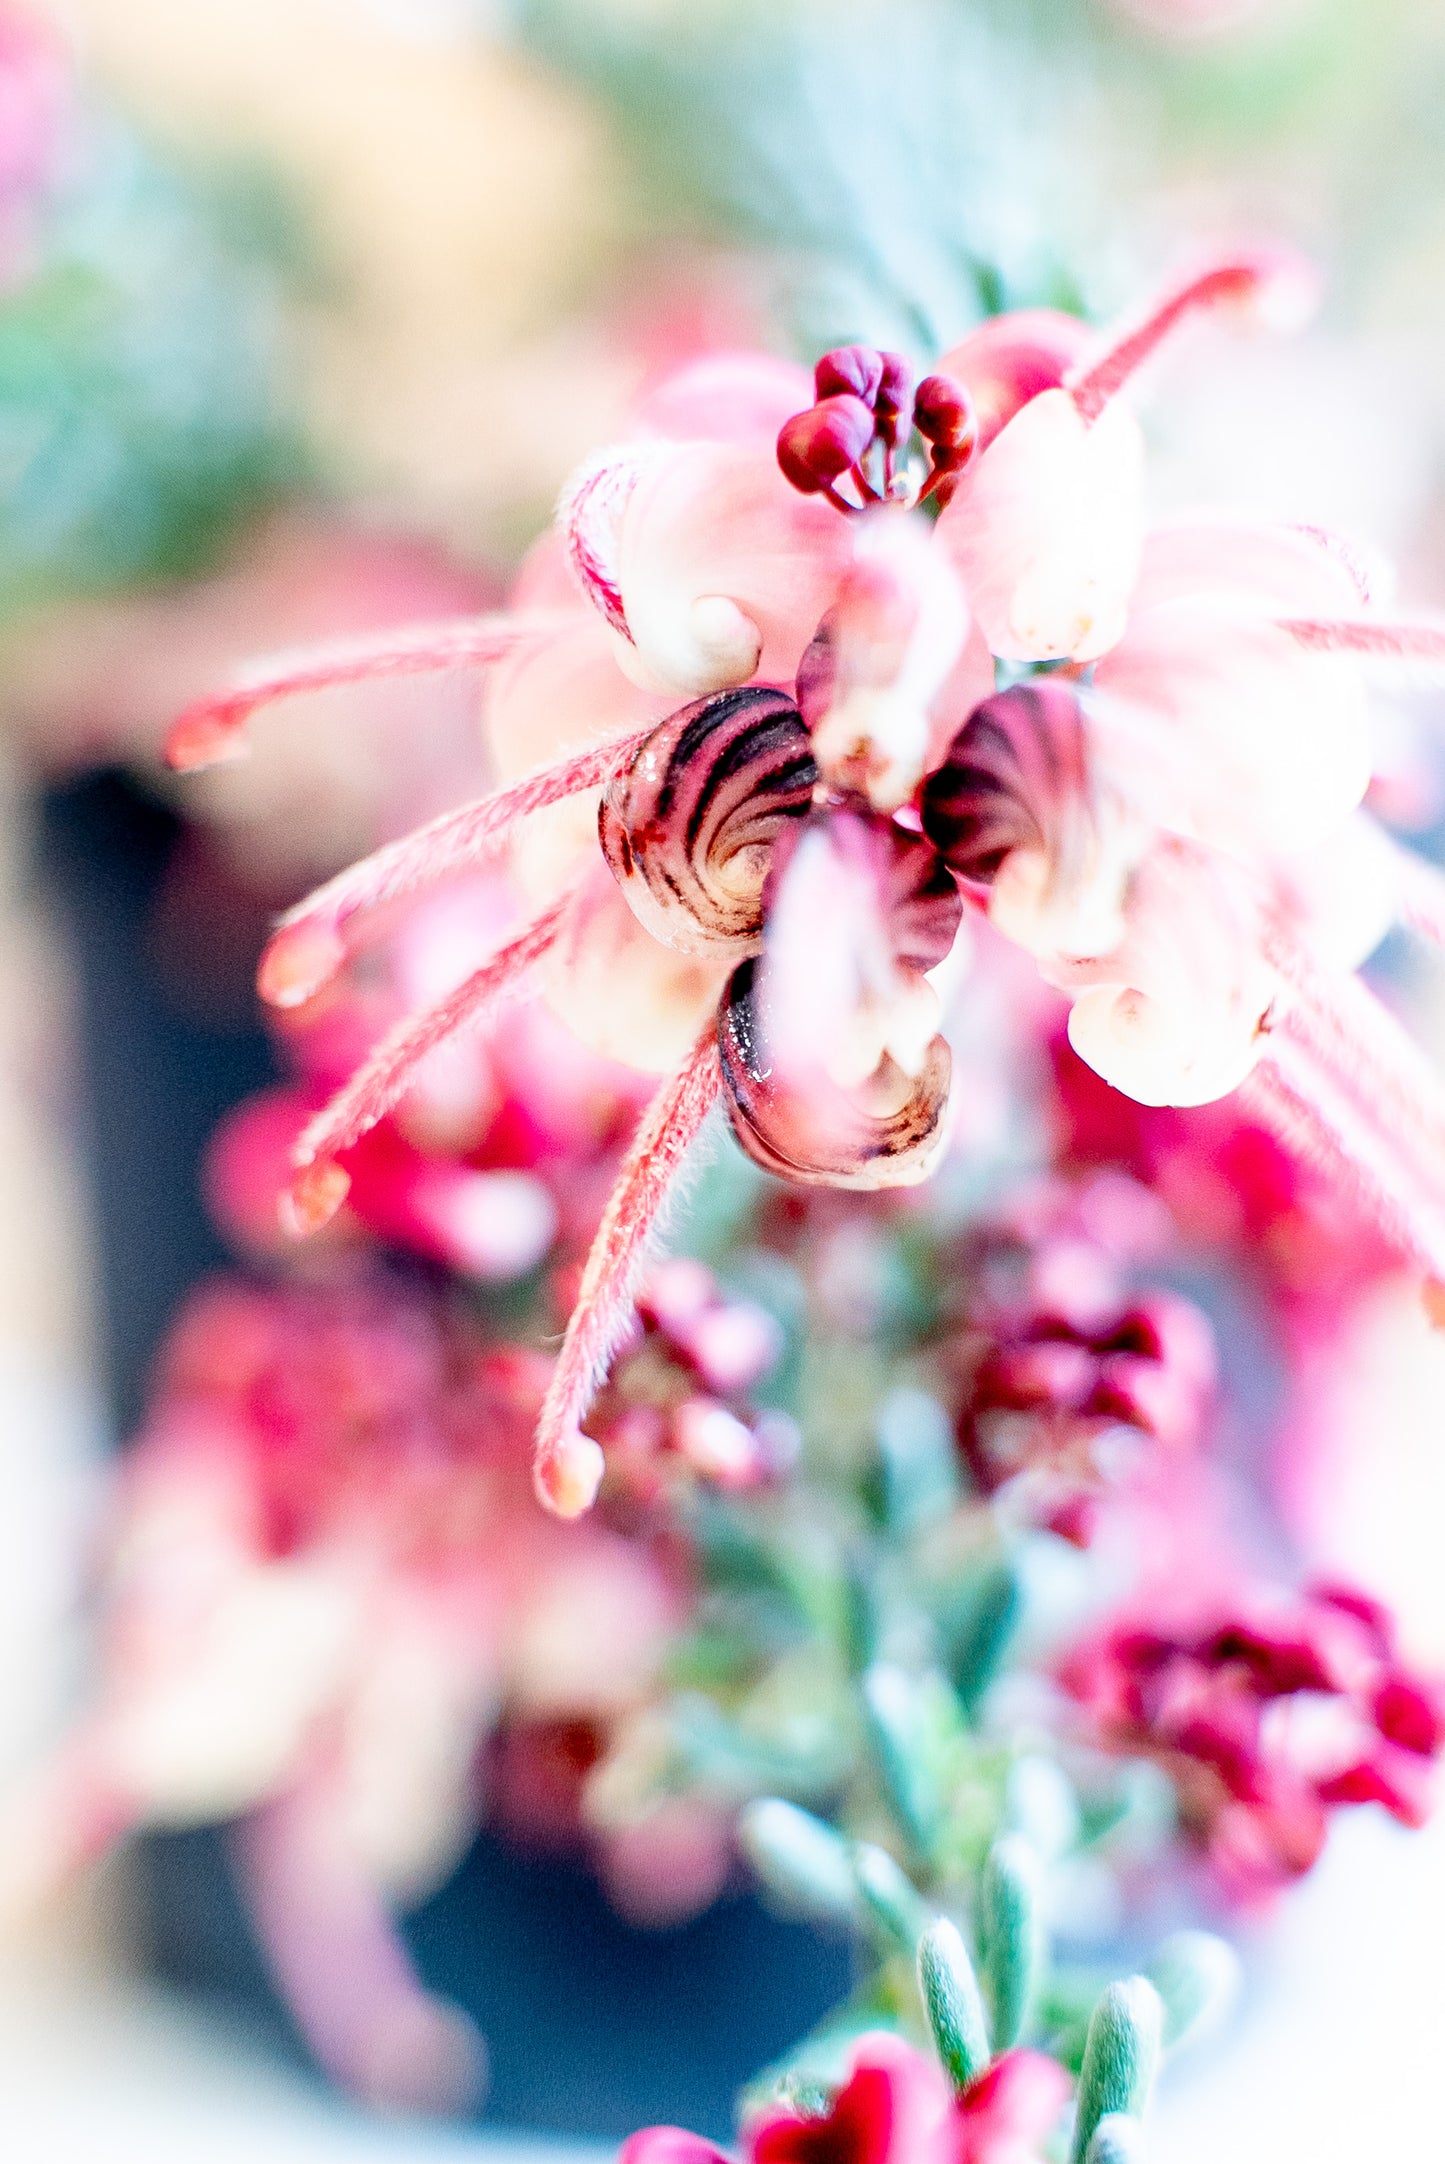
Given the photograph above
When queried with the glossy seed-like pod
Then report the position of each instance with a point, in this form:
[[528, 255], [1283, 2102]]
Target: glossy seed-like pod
[[1015, 777], [887, 1134], [688, 826]]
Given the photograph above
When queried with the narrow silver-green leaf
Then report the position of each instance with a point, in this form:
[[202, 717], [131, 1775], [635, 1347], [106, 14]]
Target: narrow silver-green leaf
[[889, 1896], [1118, 2139], [893, 1704], [799, 1858], [1011, 1928], [1120, 2055], [1196, 1975], [953, 2002]]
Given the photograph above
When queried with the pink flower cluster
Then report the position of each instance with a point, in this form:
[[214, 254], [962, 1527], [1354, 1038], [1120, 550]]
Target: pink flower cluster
[[1065, 1371], [1266, 1716]]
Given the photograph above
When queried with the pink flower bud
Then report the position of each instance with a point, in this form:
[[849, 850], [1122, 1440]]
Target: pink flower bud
[[855, 369], [1408, 1713], [892, 395], [815, 447], [943, 414]]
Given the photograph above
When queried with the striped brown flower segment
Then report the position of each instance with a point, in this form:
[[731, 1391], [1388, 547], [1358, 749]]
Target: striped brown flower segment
[[890, 1133], [1014, 773], [917, 898], [689, 824], [923, 907]]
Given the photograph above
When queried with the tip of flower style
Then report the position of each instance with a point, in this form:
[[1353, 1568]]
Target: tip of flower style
[[1275, 287], [209, 733], [297, 961], [316, 1193], [568, 1473]]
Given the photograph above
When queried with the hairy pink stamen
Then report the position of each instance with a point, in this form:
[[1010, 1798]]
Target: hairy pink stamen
[[1290, 1096], [1247, 277], [213, 729], [320, 1184], [568, 1464], [1368, 1057], [1336, 546], [1379, 636], [308, 946], [590, 516]]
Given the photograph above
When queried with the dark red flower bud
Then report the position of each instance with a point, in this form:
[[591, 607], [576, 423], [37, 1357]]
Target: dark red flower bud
[[945, 416], [815, 447], [891, 399], [1409, 1715], [850, 369], [1373, 1781]]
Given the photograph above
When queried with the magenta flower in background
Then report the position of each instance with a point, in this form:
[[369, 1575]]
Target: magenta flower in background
[[894, 2107], [1268, 1715]]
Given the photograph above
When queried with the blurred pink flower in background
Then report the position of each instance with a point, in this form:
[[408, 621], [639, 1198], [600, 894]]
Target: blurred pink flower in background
[[1065, 1367], [327, 1582], [37, 97], [1267, 1713], [502, 1153]]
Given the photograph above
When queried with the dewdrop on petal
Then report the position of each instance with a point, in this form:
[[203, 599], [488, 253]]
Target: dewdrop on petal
[[724, 569], [713, 647]]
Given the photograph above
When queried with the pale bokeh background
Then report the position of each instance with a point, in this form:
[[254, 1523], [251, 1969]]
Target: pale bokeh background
[[455, 361]]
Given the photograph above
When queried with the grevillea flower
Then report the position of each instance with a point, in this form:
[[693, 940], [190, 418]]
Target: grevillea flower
[[893, 2107], [327, 1583], [1061, 1359], [759, 652], [1267, 1716]]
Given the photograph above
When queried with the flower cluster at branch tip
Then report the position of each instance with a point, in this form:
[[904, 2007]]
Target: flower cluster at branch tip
[[1065, 1372], [1267, 1717], [774, 682]]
